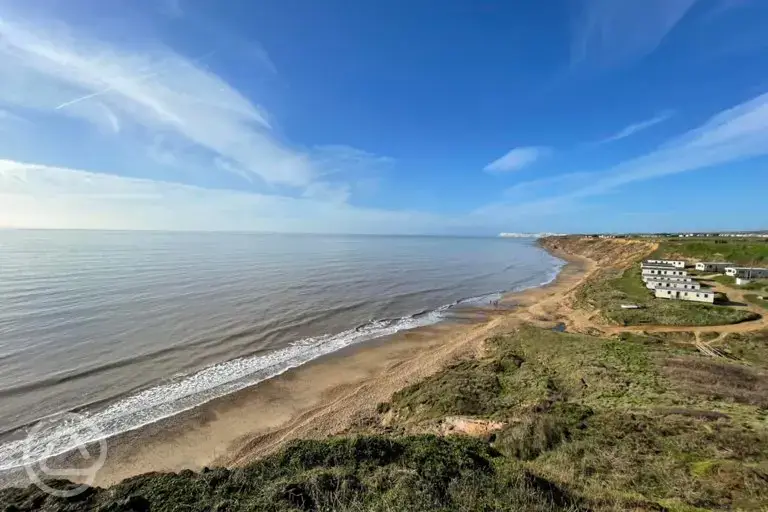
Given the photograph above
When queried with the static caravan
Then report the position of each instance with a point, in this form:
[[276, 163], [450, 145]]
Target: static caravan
[[646, 264], [673, 285], [664, 272], [677, 279], [674, 263], [713, 266], [747, 272], [704, 295]]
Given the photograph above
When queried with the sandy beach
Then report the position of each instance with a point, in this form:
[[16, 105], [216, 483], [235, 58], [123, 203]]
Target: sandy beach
[[329, 395]]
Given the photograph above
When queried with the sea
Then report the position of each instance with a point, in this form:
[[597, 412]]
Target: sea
[[128, 328]]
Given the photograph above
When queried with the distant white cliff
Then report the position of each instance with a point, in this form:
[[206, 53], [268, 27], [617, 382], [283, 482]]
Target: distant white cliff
[[527, 235]]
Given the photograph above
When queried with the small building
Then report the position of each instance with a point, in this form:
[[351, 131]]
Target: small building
[[645, 264], [673, 285], [713, 266], [673, 263], [741, 281], [676, 279], [747, 272], [663, 271], [703, 295]]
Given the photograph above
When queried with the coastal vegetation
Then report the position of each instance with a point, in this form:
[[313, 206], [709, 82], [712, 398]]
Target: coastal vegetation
[[385, 473], [758, 285], [635, 422], [756, 299], [744, 252], [750, 348], [610, 289]]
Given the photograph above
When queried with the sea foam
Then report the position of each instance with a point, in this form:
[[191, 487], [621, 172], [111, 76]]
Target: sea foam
[[184, 393]]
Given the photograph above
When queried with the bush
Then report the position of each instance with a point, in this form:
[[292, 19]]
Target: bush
[[344, 474]]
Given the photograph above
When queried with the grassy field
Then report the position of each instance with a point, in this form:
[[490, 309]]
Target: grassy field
[[753, 298], [356, 473], [587, 423], [743, 252], [638, 422], [749, 348], [758, 285], [609, 291]]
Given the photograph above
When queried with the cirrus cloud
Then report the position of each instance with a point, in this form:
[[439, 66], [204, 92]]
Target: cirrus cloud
[[148, 93], [517, 158]]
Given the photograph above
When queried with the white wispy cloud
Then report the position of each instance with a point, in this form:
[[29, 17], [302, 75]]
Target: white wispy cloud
[[38, 196], [559, 183], [735, 134], [9, 119], [156, 93], [637, 127], [517, 159], [608, 32]]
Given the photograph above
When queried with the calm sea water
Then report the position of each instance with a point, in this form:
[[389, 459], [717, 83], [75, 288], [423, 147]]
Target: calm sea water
[[133, 327]]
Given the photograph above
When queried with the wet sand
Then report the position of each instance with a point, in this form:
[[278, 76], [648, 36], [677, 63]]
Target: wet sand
[[329, 395]]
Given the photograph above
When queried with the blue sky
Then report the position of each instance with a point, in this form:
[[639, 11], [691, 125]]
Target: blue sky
[[384, 117]]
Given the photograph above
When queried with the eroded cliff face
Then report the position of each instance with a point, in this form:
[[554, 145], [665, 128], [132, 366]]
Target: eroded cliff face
[[609, 252]]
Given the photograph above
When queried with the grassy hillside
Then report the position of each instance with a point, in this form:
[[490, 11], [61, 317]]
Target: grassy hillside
[[581, 423], [743, 252], [612, 288], [755, 299], [638, 422], [345, 474]]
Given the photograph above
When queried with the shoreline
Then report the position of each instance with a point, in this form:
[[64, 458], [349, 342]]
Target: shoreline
[[327, 395]]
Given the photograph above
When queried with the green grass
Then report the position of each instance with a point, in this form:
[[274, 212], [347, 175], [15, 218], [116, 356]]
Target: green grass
[[620, 423], [468, 388], [522, 380], [377, 473], [741, 252], [610, 290], [751, 348], [758, 285], [726, 280], [753, 298]]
